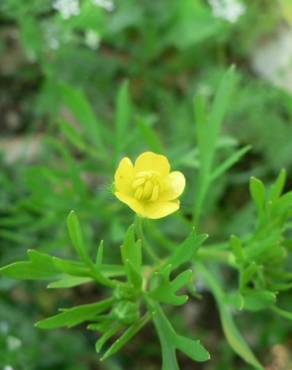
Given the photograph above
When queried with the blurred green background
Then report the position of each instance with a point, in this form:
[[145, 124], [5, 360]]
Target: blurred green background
[[69, 70]]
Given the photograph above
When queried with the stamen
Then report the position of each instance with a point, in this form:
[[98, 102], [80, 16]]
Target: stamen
[[146, 186], [155, 193], [139, 193], [138, 182]]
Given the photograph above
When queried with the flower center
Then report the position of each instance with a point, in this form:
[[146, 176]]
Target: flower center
[[146, 186]]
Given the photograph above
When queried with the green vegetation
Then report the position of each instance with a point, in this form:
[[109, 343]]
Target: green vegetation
[[86, 83]]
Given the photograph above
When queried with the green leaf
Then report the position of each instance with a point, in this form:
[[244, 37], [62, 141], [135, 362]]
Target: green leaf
[[80, 269], [77, 238], [231, 332], [277, 188], [75, 315], [112, 270], [285, 314], [134, 277], [72, 135], [192, 348], [237, 248], [131, 250], [126, 312], [260, 247], [186, 251], [149, 136], [71, 267], [283, 205], [73, 168], [248, 273], [236, 300], [235, 339], [170, 341], [40, 267], [258, 300], [99, 254], [165, 291], [208, 129], [258, 193], [216, 115], [126, 336], [78, 104], [123, 116], [229, 162], [76, 139], [69, 282], [106, 336], [31, 36], [194, 24]]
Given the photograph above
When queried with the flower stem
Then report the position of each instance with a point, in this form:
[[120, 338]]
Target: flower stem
[[146, 245]]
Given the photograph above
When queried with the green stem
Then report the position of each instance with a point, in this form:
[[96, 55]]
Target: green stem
[[225, 257], [146, 245], [157, 235]]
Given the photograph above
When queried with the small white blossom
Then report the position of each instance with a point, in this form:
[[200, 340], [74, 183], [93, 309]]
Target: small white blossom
[[273, 59], [8, 367], [67, 8], [204, 89], [13, 343], [230, 10], [92, 39], [106, 4], [52, 33]]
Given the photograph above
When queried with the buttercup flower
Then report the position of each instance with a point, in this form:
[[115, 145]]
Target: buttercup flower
[[148, 187]]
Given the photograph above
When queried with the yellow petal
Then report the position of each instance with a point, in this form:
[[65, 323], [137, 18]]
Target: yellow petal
[[124, 176], [174, 186], [133, 203], [150, 161], [159, 209]]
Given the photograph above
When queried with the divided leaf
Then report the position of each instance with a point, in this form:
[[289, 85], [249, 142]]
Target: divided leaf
[[69, 282], [258, 193], [186, 251], [39, 267], [165, 291], [170, 341], [258, 300], [77, 237], [278, 186], [75, 315], [235, 339], [126, 336], [132, 250]]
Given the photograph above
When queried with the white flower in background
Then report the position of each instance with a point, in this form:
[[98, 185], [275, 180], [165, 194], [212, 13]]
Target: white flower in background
[[67, 8], [230, 10], [52, 34], [53, 43], [92, 39], [106, 4], [13, 343], [8, 367], [272, 60]]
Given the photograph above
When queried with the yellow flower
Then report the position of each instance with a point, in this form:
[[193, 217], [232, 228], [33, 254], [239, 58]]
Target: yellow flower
[[148, 187]]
